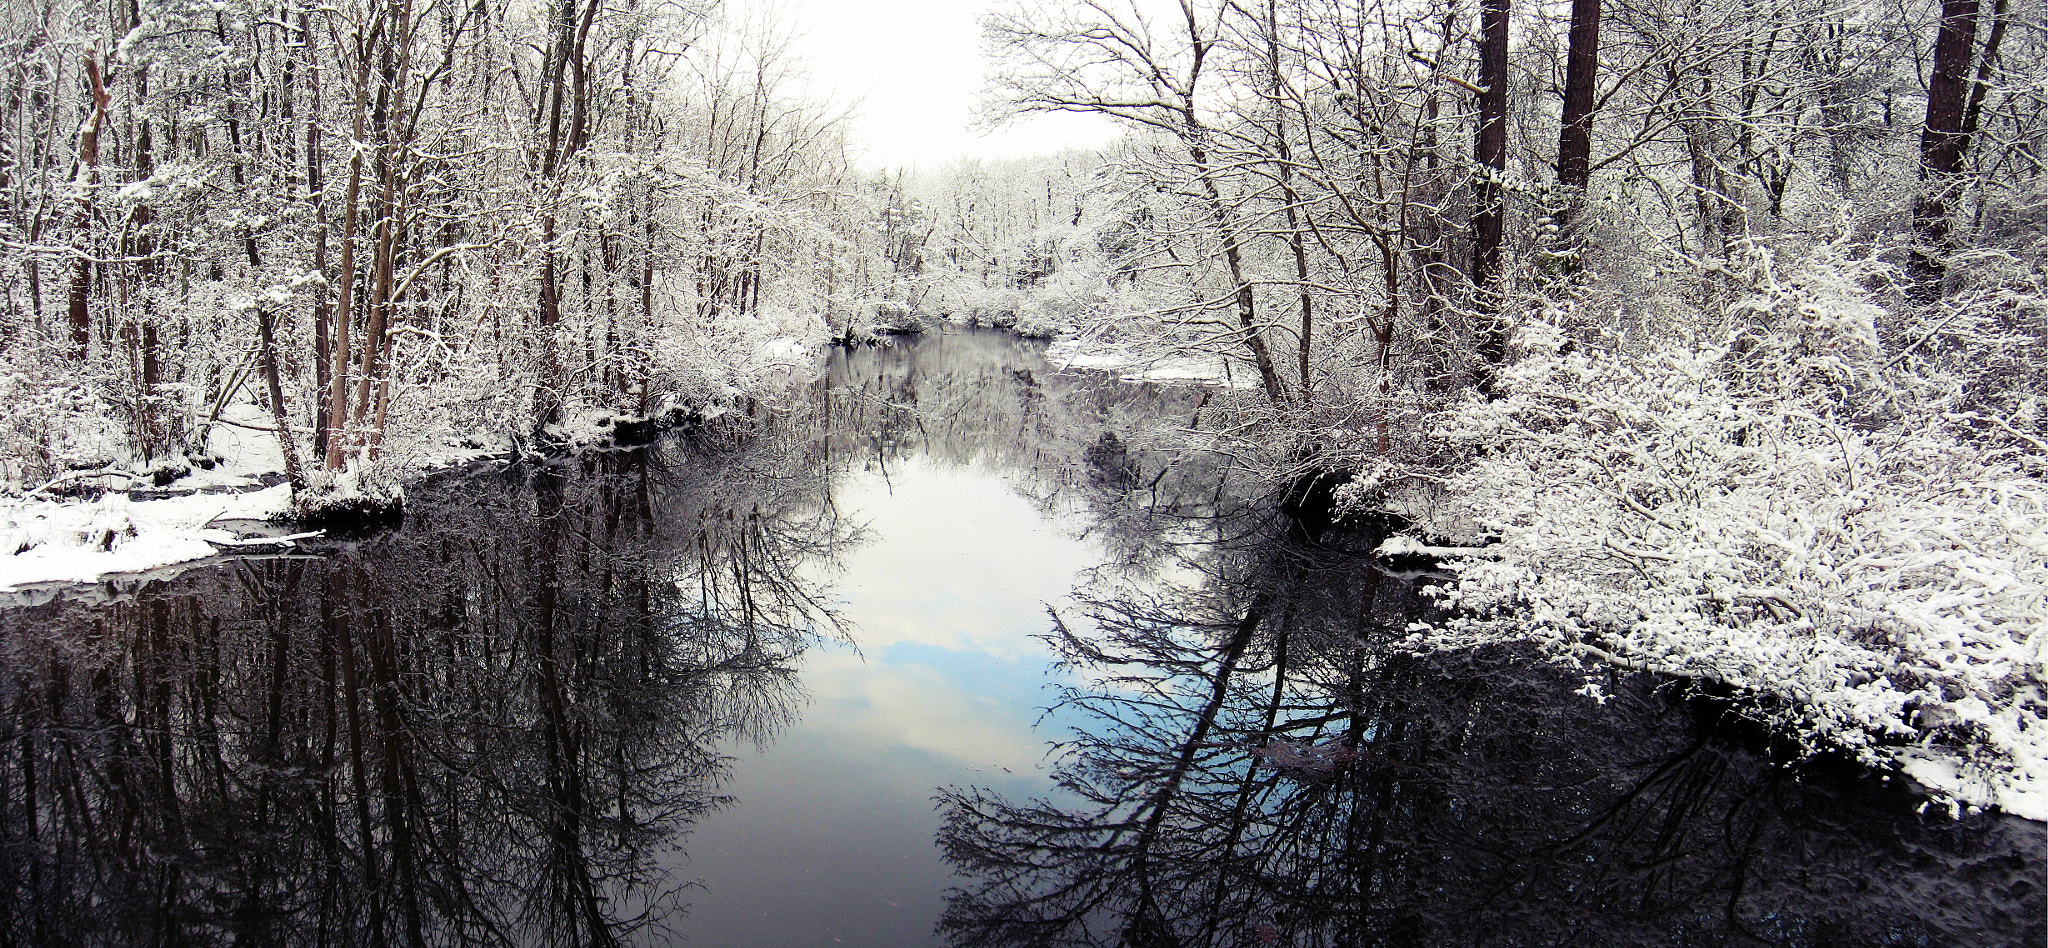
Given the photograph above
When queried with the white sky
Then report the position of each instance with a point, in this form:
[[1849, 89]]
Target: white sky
[[917, 69]]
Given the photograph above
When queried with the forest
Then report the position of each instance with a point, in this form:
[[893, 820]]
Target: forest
[[1703, 337]]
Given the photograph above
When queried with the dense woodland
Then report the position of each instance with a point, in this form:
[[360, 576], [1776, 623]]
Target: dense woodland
[[407, 216], [394, 220]]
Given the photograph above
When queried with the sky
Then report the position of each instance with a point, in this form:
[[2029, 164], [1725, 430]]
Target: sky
[[917, 70]]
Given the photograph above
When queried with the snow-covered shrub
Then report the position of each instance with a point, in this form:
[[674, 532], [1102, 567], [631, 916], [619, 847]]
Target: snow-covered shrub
[[1981, 354], [996, 308], [1814, 323], [895, 316], [1685, 511], [1034, 323], [58, 422], [718, 365]]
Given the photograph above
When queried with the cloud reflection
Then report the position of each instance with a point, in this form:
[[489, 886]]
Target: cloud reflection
[[945, 605], [959, 560]]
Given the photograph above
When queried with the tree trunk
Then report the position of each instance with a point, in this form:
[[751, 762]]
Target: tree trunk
[[316, 198], [79, 316], [1987, 63], [564, 74], [1575, 137], [293, 472], [1943, 143], [1491, 154], [345, 277], [1247, 311]]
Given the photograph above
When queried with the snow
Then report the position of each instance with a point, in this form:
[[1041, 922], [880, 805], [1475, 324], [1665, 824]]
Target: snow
[[46, 541], [84, 541], [245, 442], [81, 541], [1402, 545], [2021, 789], [1131, 366], [1067, 354], [1889, 584]]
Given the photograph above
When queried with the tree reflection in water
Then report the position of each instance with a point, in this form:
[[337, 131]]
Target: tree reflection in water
[[495, 726], [1258, 764], [483, 729]]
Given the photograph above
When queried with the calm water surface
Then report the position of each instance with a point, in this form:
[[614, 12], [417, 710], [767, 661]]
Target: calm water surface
[[790, 688]]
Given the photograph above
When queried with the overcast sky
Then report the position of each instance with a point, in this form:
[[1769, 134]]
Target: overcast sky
[[918, 70]]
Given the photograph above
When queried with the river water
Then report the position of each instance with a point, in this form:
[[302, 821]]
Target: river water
[[786, 683]]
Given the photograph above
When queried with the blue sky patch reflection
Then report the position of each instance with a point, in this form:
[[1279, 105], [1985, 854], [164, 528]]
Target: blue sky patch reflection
[[830, 842]]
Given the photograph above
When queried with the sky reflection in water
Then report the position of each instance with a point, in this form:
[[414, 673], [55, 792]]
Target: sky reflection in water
[[830, 840], [560, 690]]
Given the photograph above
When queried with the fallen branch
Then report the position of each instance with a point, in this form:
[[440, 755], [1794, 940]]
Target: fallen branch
[[79, 476], [283, 541]]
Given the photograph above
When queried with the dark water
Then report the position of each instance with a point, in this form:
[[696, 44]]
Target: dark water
[[783, 686]]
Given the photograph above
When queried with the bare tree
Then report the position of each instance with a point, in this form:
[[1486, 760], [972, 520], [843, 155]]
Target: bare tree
[[1113, 60], [1945, 139]]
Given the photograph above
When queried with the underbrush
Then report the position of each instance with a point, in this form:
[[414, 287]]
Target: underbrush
[[1782, 505]]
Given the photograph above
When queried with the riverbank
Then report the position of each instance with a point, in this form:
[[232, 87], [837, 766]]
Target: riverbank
[[1880, 585], [101, 524], [240, 505], [79, 541]]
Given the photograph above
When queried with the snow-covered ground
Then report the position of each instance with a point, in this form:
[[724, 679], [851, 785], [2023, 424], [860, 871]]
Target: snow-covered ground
[[78, 541], [45, 540], [2021, 791], [1131, 366], [2013, 778]]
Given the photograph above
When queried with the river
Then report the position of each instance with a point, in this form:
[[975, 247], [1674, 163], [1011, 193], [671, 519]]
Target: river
[[786, 682]]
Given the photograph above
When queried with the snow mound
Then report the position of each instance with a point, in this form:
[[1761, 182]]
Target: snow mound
[[81, 541], [1132, 366]]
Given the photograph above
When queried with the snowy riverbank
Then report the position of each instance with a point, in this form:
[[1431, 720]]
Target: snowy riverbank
[[1129, 364], [1882, 586], [241, 503], [79, 541]]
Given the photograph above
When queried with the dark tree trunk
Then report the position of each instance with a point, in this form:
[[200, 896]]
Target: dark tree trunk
[[565, 76], [1575, 137], [316, 198], [1943, 142], [1987, 63], [266, 338], [1491, 154], [79, 312]]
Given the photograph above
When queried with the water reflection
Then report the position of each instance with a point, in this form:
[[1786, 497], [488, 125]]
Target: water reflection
[[1108, 459], [507, 723], [1256, 765], [957, 453], [479, 730], [499, 724]]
